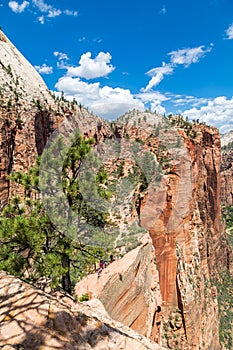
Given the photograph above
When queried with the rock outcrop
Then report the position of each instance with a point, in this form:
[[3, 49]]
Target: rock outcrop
[[31, 319], [186, 235], [129, 290]]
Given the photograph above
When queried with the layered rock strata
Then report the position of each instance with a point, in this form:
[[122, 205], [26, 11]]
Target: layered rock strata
[[129, 290], [183, 217], [31, 319]]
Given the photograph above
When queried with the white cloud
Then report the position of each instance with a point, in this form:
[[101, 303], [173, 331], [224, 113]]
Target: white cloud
[[44, 69], [42, 6], [105, 101], [158, 75], [217, 112], [90, 68], [16, 7], [152, 96], [54, 13], [189, 55], [183, 56], [163, 10], [41, 19], [229, 32], [180, 100], [71, 13], [49, 11], [61, 55]]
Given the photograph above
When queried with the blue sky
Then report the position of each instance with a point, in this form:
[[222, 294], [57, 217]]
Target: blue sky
[[112, 56]]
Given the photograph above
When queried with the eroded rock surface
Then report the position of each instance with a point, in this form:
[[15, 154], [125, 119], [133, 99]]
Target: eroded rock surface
[[33, 320], [129, 290]]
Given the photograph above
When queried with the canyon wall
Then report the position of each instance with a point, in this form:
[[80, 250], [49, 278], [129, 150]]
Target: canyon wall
[[183, 217], [165, 289]]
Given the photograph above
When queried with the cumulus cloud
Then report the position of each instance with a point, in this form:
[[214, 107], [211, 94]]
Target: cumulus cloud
[[90, 68], [217, 112], [158, 75], [16, 7], [44, 69], [105, 101], [189, 55], [229, 32]]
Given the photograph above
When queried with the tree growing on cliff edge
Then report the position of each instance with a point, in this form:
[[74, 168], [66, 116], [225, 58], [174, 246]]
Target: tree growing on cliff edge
[[32, 246]]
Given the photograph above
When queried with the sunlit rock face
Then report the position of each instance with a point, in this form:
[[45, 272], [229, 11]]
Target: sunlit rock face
[[129, 290], [32, 319], [183, 218], [182, 215]]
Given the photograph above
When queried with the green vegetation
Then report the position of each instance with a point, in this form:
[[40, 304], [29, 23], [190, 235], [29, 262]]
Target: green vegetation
[[84, 297], [228, 146], [182, 123], [227, 213], [225, 289], [33, 246], [225, 302]]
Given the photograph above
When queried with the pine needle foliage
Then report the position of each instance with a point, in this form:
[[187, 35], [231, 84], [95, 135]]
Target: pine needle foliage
[[33, 247]]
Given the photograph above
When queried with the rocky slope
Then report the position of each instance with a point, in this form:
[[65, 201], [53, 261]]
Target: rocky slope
[[19, 79], [30, 319], [129, 290], [226, 138]]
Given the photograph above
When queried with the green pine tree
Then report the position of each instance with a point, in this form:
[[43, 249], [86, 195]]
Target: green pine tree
[[32, 243]]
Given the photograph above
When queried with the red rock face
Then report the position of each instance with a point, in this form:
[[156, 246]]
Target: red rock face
[[25, 132], [227, 178], [182, 214], [129, 290], [187, 235]]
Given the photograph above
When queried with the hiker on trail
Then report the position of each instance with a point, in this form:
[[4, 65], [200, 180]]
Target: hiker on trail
[[111, 258], [101, 264], [99, 272]]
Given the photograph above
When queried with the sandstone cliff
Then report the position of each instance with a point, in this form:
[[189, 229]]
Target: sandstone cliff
[[182, 215], [129, 290], [30, 319]]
